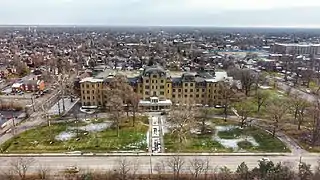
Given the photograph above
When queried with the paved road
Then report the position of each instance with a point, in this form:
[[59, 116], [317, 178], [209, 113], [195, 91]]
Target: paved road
[[146, 162], [302, 94]]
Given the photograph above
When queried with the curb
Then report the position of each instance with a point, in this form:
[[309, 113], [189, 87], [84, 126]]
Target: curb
[[144, 154]]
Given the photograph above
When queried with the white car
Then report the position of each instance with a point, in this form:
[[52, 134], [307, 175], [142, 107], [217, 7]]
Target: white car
[[264, 159], [72, 169]]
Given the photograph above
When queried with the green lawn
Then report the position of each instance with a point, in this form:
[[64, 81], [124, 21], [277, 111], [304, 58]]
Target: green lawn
[[38, 140], [266, 142], [195, 143]]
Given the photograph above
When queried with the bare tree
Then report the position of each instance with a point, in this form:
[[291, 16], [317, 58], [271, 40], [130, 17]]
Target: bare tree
[[197, 167], [176, 164], [228, 96], [20, 166], [246, 77], [181, 120], [123, 168], [315, 125], [43, 172], [261, 99], [134, 102], [307, 76], [116, 111], [204, 117], [299, 106], [244, 109], [277, 109]]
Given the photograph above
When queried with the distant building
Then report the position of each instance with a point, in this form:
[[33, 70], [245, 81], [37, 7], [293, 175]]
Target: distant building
[[159, 89], [296, 48], [29, 86]]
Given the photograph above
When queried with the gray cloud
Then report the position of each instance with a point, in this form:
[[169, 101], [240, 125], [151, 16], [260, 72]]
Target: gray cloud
[[146, 12]]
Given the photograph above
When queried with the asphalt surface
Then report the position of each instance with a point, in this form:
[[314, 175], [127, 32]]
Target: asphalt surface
[[144, 163]]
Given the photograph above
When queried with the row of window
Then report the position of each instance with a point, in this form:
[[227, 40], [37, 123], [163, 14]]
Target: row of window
[[154, 81], [191, 96], [92, 85], [191, 90]]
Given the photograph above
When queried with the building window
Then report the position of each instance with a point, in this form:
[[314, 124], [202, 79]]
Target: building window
[[215, 91], [191, 84], [152, 81], [197, 95], [179, 90], [152, 87], [92, 85], [202, 90], [82, 92], [140, 91], [156, 81], [93, 97], [146, 87], [186, 90], [186, 84], [98, 84], [202, 95], [161, 93], [88, 92], [87, 85], [161, 81], [191, 90], [214, 97], [147, 93], [168, 85], [191, 95], [83, 97], [156, 87], [147, 81], [197, 90], [92, 91], [215, 85], [185, 96], [173, 96], [168, 91], [161, 87], [99, 96], [88, 97], [209, 90], [82, 85], [174, 90], [154, 76]]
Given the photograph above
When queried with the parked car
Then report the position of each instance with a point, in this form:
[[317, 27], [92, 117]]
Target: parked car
[[72, 169]]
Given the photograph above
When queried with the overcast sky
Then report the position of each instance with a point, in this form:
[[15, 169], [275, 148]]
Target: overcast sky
[[293, 13]]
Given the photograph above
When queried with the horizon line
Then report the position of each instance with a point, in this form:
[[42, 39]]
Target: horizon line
[[158, 26]]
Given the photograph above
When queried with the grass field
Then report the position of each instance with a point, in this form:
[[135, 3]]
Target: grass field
[[266, 142], [38, 140], [195, 143]]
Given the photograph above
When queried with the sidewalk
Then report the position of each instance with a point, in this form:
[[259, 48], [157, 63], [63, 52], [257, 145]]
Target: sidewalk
[[143, 154]]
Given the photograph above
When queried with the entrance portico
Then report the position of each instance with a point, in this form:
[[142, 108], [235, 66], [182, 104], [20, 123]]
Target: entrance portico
[[154, 104]]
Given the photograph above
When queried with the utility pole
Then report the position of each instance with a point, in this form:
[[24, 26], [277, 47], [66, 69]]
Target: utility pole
[[14, 124], [32, 101], [59, 106]]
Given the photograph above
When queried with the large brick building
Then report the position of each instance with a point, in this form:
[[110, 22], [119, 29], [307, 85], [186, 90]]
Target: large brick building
[[158, 88]]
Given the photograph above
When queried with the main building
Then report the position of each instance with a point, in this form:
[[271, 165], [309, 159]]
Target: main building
[[159, 89]]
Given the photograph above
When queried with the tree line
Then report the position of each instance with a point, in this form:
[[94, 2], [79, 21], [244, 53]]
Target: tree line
[[172, 168]]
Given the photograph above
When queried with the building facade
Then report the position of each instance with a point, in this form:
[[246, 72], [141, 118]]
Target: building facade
[[296, 48], [160, 89]]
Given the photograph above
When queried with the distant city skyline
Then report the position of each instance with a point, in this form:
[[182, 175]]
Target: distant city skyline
[[227, 13]]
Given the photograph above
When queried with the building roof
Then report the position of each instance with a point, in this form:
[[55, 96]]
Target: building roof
[[297, 44], [91, 79], [154, 70]]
